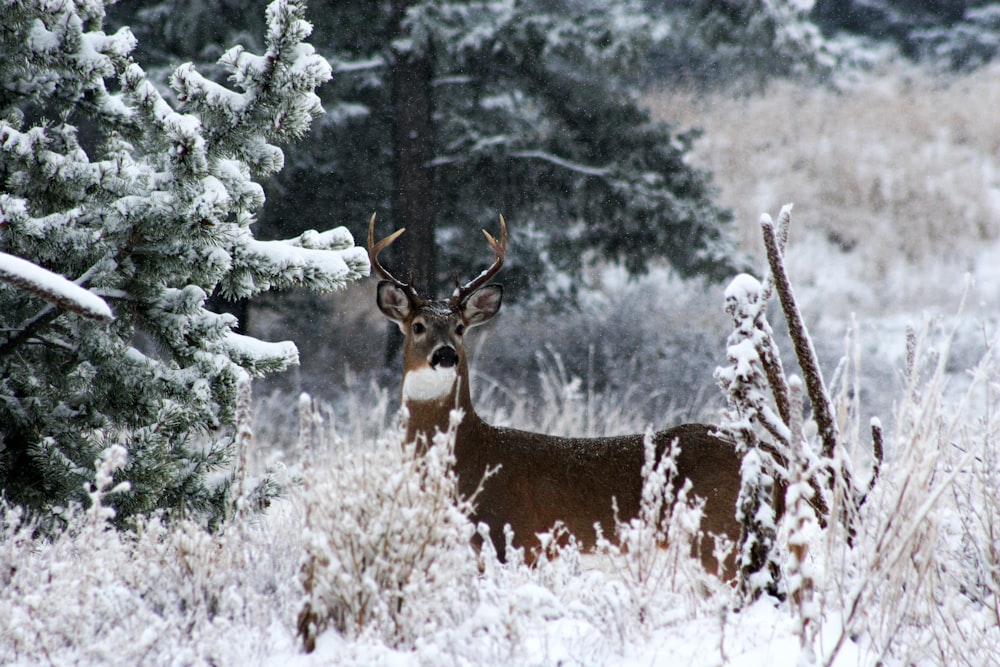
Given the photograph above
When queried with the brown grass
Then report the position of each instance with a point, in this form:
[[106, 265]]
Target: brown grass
[[897, 170]]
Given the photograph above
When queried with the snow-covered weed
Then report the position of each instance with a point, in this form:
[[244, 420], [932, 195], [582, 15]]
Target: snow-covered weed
[[651, 554], [918, 586], [161, 595], [386, 534]]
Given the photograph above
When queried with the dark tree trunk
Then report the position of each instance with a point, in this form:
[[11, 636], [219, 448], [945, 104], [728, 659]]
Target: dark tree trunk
[[412, 200], [412, 151]]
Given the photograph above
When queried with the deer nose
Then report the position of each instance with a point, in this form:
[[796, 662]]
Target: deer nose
[[445, 356]]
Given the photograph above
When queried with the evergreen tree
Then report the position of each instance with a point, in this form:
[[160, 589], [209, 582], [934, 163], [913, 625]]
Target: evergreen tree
[[741, 43], [956, 34], [540, 119], [527, 108], [144, 198]]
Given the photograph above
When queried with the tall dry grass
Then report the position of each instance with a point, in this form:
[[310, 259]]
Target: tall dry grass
[[898, 173]]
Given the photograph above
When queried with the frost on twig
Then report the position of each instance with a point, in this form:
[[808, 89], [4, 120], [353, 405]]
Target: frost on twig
[[112, 459], [243, 439], [653, 551], [802, 524], [386, 534]]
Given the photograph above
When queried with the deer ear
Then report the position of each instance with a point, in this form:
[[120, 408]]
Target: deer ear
[[482, 305], [393, 302]]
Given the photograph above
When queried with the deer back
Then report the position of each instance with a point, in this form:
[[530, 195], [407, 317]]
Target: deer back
[[543, 480]]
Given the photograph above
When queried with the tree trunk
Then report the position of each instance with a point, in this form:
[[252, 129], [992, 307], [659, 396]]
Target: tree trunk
[[412, 151]]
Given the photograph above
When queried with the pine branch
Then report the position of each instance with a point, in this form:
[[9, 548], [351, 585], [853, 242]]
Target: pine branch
[[35, 324], [53, 288], [61, 294]]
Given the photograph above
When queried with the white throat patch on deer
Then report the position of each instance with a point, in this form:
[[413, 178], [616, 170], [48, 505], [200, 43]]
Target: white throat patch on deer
[[429, 384]]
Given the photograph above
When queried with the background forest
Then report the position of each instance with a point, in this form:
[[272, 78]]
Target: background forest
[[539, 111], [176, 160]]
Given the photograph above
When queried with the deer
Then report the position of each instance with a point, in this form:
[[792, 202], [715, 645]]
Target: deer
[[538, 481]]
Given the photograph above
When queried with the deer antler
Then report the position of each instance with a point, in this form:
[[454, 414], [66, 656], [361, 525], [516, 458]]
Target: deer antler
[[499, 249], [375, 248]]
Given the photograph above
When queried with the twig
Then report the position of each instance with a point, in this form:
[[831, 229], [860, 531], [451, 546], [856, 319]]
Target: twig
[[45, 317]]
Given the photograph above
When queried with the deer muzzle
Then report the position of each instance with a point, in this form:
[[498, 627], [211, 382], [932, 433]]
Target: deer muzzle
[[444, 357]]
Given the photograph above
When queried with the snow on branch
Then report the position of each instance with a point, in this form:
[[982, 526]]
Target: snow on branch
[[53, 288], [584, 169], [258, 356], [325, 261]]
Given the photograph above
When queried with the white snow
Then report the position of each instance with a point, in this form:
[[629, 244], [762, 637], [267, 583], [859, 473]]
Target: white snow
[[562, 162], [53, 288], [42, 39], [248, 348], [287, 260]]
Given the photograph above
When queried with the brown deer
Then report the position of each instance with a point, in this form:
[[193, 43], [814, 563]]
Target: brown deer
[[542, 479]]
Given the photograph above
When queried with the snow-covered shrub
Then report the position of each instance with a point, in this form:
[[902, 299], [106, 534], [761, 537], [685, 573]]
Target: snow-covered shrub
[[160, 595], [172, 593], [919, 583], [749, 350], [387, 539], [654, 553], [145, 199], [772, 439]]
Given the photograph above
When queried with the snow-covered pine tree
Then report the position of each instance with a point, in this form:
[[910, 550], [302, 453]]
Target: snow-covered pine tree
[[956, 34], [147, 203]]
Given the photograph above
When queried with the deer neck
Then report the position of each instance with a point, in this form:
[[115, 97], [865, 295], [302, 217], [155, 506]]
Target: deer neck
[[430, 396]]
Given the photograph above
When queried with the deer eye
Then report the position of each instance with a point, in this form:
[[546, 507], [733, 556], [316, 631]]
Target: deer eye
[[418, 328], [460, 329]]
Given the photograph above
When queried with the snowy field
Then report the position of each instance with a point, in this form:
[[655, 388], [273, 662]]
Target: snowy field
[[897, 190]]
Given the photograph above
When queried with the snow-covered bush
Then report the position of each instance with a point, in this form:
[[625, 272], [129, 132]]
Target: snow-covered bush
[[161, 595], [719, 43], [920, 583], [145, 199], [744, 381], [917, 583], [654, 553], [768, 426], [387, 535]]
